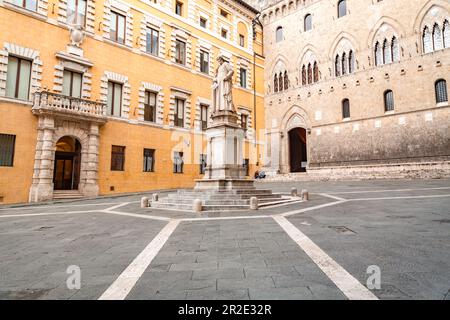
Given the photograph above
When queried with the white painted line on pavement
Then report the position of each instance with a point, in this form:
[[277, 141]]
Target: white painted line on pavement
[[348, 284], [117, 206], [405, 197], [43, 214], [137, 215], [129, 277], [64, 206], [290, 213], [224, 218], [331, 196], [387, 190]]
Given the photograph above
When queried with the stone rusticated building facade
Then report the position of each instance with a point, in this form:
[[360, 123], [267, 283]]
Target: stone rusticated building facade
[[357, 87]]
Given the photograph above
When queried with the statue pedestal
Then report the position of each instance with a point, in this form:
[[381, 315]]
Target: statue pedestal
[[224, 170]]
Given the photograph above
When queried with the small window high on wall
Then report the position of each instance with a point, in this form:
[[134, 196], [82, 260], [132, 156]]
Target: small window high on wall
[[308, 22], [388, 101], [345, 109], [342, 8], [279, 34], [441, 91]]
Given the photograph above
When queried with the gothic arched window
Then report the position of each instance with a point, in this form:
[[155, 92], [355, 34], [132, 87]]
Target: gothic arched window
[[275, 83], [280, 82], [446, 33], [286, 81], [344, 63], [303, 75], [395, 51], [427, 40], [386, 52], [337, 66], [441, 91], [309, 73], [378, 54], [351, 62], [437, 38], [316, 72]]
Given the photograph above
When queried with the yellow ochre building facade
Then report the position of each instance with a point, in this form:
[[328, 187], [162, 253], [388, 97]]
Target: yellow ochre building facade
[[104, 97]]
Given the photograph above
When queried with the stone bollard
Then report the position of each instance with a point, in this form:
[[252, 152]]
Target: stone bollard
[[294, 192], [144, 202], [155, 197], [305, 195], [197, 207], [253, 203]]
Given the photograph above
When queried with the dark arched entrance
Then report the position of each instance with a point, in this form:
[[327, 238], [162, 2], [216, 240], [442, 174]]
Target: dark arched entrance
[[297, 150], [66, 174]]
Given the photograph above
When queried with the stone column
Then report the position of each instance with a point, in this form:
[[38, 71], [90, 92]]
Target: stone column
[[42, 185], [90, 185]]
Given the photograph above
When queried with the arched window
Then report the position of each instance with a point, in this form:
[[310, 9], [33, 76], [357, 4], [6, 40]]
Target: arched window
[[351, 62], [388, 100], [303, 75], [427, 40], [275, 83], [342, 8], [386, 52], [316, 72], [440, 88], [337, 66], [345, 109], [309, 73], [279, 34], [280, 82], [446, 34], [308, 22], [286, 81], [395, 51], [344, 64], [378, 54], [437, 38]]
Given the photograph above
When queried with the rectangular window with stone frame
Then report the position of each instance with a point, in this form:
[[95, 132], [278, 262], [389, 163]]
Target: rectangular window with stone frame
[[242, 40], [27, 4], [72, 83], [152, 41], [117, 158], [149, 160], [204, 116], [203, 22], [18, 78], [114, 99], [76, 12], [204, 62], [178, 120], [243, 77], [178, 162], [117, 27], [180, 52], [7, 145], [150, 106], [178, 8]]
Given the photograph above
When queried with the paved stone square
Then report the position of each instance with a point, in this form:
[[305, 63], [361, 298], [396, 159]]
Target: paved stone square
[[320, 249]]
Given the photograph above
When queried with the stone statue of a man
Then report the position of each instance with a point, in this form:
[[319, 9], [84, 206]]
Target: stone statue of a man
[[222, 86]]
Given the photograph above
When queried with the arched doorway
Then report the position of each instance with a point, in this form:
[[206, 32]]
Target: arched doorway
[[297, 150], [66, 174]]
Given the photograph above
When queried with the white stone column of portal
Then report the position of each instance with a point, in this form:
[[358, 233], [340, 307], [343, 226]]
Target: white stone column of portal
[[275, 141], [91, 164]]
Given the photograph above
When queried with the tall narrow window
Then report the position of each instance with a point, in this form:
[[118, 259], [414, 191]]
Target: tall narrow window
[[345, 109], [224, 33], [72, 83], [117, 27], [378, 54], [244, 121], [7, 145], [446, 33], [437, 38], [310, 76], [351, 62], [308, 22], [114, 100], [441, 91], [150, 106], [275, 83], [203, 163], [179, 8], [179, 113], [76, 12], [344, 63], [243, 77], [149, 160], [152, 41], [242, 40], [280, 82], [342, 8], [18, 78], [27, 4], [316, 72], [203, 22], [337, 66], [178, 162], [388, 100], [204, 116], [286, 81], [117, 158], [395, 50], [180, 52], [204, 62], [386, 52], [427, 40], [279, 34], [304, 75]]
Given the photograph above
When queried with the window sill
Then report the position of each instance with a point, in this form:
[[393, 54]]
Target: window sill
[[117, 44], [24, 11], [153, 56], [389, 112], [16, 101], [442, 104], [346, 119]]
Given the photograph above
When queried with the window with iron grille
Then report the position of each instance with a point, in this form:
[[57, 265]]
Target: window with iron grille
[[345, 108], [7, 144], [389, 100], [18, 78], [204, 116], [204, 61], [117, 158], [149, 160], [180, 52], [178, 162], [441, 91], [202, 163], [150, 106], [179, 113], [152, 41]]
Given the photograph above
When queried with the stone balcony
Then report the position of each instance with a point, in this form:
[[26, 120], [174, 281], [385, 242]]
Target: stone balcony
[[49, 103]]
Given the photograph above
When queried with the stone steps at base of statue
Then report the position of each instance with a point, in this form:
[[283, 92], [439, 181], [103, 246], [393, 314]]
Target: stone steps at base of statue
[[208, 202], [200, 196], [225, 192], [189, 207]]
